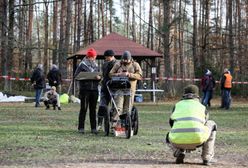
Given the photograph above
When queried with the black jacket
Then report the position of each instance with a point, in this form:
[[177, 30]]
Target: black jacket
[[54, 75], [38, 79], [87, 66], [106, 68]]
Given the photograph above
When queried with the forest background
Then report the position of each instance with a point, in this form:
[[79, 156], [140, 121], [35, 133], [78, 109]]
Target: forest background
[[192, 35]]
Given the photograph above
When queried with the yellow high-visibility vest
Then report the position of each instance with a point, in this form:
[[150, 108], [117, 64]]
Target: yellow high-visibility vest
[[189, 119]]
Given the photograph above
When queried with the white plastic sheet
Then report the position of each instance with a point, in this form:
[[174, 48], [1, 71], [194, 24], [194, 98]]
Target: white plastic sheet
[[5, 98]]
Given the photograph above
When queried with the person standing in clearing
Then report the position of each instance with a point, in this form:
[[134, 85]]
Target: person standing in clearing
[[88, 93], [54, 77], [208, 85], [226, 86], [105, 97], [38, 82], [127, 67]]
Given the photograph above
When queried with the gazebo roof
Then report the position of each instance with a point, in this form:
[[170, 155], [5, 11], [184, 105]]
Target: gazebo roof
[[118, 44]]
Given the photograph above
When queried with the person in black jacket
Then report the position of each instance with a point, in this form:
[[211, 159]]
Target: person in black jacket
[[105, 97], [54, 77], [38, 82], [208, 85], [88, 93]]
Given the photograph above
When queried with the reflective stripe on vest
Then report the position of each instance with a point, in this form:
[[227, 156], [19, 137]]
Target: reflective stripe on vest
[[189, 119], [228, 81], [181, 130]]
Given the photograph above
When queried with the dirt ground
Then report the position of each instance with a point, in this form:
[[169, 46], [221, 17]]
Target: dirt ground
[[147, 164], [192, 160]]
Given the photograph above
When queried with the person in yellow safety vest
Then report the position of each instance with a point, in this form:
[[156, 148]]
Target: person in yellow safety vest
[[226, 86], [190, 127]]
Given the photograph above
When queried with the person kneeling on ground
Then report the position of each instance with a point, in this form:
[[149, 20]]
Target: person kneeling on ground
[[191, 127], [52, 97]]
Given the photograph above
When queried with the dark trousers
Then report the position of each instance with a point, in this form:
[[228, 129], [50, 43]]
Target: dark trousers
[[88, 98], [38, 93], [103, 106], [226, 98], [50, 101], [207, 96]]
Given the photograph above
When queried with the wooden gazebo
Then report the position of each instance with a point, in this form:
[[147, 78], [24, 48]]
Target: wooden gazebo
[[118, 44]]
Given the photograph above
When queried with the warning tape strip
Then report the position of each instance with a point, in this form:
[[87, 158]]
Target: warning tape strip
[[158, 78]]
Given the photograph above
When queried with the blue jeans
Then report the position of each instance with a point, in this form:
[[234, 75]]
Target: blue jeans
[[207, 96], [38, 93], [226, 98]]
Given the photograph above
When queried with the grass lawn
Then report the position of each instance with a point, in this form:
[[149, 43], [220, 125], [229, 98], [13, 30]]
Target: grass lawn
[[35, 136]]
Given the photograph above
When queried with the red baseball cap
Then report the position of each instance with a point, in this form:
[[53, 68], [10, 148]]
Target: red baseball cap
[[91, 52]]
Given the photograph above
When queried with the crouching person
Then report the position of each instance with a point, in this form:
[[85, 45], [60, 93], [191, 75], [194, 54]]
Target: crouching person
[[190, 127], [52, 97]]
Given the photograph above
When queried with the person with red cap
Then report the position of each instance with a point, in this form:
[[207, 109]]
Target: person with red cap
[[88, 93]]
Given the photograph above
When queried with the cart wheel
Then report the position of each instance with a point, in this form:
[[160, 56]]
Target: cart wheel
[[135, 120], [128, 126]]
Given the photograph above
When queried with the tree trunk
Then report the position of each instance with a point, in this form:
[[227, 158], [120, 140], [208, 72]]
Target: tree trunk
[[166, 34], [38, 34], [103, 23], [55, 23], [85, 25], [110, 15], [79, 21], [61, 36], [67, 38], [150, 26], [4, 31], [230, 28], [90, 24], [133, 22], [194, 40], [45, 58]]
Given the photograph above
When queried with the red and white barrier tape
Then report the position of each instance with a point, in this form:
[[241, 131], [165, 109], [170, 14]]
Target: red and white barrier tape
[[160, 78]]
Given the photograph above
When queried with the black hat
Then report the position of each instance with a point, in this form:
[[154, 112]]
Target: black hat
[[109, 53], [126, 56], [193, 89]]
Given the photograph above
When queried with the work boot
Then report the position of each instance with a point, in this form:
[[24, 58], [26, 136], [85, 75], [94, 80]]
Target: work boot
[[180, 158], [47, 107], [59, 108], [206, 163], [81, 131], [54, 107], [94, 131]]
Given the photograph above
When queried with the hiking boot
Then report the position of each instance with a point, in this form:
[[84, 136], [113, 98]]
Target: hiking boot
[[54, 107], [94, 131], [209, 162], [81, 131], [59, 108], [180, 158], [206, 163], [47, 107]]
